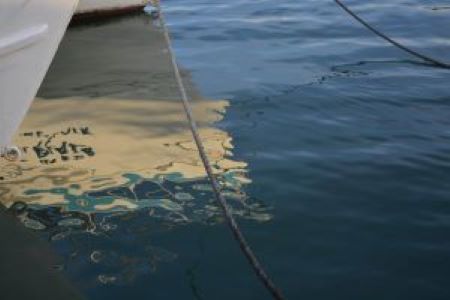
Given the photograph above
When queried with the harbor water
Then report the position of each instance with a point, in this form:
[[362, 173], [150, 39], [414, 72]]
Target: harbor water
[[331, 146]]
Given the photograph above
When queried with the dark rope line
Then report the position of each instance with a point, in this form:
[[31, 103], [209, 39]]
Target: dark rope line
[[243, 244], [388, 39]]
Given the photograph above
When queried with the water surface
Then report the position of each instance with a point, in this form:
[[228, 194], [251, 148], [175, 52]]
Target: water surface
[[346, 140]]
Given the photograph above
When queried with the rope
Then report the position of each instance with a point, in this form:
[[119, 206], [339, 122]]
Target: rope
[[247, 251], [388, 39]]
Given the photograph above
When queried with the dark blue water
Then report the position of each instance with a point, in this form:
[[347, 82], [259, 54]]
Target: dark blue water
[[347, 140]]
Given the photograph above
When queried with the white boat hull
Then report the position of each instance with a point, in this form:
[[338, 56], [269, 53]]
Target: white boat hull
[[30, 32]]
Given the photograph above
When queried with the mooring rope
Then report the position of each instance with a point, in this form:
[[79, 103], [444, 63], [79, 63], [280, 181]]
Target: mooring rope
[[245, 247], [388, 39]]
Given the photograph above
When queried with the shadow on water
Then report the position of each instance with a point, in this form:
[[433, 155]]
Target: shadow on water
[[92, 20], [115, 58]]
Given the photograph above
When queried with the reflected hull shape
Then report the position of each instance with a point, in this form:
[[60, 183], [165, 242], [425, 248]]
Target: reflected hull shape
[[30, 32], [116, 155]]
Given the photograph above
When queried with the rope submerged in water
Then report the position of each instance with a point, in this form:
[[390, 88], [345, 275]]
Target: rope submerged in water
[[388, 39], [247, 251]]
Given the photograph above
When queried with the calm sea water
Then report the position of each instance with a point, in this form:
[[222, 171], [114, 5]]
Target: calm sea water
[[347, 141]]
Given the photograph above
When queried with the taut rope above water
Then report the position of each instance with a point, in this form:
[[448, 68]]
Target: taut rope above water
[[388, 39], [247, 251]]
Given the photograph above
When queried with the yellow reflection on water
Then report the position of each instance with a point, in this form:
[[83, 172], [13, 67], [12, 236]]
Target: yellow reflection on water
[[75, 146]]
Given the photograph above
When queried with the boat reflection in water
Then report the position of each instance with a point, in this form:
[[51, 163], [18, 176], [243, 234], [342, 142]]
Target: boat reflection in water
[[91, 163], [113, 155]]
